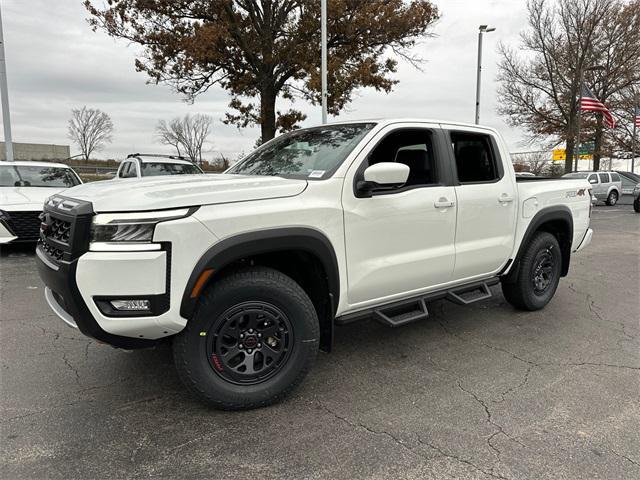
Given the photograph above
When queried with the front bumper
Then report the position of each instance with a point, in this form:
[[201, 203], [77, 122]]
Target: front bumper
[[66, 301], [81, 283]]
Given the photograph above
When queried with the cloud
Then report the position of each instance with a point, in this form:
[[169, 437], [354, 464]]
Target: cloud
[[56, 63]]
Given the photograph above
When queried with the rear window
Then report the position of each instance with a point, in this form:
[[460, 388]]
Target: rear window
[[152, 169], [615, 177], [475, 161], [33, 176]]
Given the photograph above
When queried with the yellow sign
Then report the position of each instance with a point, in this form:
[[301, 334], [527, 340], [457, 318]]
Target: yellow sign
[[559, 154]]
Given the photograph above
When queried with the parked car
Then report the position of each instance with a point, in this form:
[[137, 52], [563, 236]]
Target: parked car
[[606, 186], [24, 186], [629, 181], [139, 165], [636, 198], [248, 272]]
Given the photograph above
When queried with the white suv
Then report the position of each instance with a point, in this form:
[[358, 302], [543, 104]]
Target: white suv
[[24, 186], [606, 186], [248, 272], [139, 165]]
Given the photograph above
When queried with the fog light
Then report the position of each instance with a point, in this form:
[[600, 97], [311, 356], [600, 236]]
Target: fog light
[[131, 305]]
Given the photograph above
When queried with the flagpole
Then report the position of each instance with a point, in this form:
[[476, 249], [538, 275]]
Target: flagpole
[[576, 150], [633, 139]]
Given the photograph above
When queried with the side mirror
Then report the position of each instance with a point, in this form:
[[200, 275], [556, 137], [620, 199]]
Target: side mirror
[[384, 174]]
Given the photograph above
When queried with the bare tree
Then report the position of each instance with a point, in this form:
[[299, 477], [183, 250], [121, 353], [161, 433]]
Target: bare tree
[[170, 133], [90, 129], [535, 161], [189, 133], [540, 82]]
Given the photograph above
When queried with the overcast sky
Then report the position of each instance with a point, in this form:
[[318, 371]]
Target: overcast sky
[[56, 63]]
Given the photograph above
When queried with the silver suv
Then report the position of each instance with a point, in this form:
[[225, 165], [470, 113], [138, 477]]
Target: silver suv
[[607, 186]]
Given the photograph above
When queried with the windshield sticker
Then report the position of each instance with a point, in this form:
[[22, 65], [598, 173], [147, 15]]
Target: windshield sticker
[[316, 174]]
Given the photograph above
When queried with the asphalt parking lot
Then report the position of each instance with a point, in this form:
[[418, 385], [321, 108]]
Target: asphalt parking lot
[[481, 391]]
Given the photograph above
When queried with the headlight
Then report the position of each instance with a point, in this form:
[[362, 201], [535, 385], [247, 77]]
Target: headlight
[[136, 227]]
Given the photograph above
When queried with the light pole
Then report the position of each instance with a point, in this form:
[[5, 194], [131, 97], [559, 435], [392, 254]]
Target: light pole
[[482, 29], [576, 154], [4, 91], [323, 66]]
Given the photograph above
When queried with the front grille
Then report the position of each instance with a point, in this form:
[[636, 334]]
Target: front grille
[[52, 251], [60, 230], [26, 225], [65, 229]]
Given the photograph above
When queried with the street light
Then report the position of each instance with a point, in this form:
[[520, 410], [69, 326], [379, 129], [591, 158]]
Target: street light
[[323, 61], [4, 93], [482, 29], [576, 154]]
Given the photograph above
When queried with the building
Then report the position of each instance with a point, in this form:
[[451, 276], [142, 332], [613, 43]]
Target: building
[[36, 151]]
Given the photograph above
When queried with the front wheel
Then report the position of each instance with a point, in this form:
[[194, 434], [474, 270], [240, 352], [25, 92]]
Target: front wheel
[[252, 339], [538, 276], [636, 204], [612, 199]]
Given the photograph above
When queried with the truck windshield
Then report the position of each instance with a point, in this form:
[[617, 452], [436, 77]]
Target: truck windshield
[[33, 176], [310, 153]]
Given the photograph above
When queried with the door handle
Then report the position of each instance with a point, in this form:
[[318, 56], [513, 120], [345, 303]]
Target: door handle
[[443, 202], [505, 198]]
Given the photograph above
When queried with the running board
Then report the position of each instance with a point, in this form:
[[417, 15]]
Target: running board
[[471, 294], [402, 312]]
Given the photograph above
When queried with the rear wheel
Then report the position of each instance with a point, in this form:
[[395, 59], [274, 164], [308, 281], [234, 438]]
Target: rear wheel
[[636, 204], [253, 338], [612, 199], [538, 275]]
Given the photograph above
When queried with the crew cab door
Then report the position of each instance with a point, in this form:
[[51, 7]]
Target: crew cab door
[[400, 241], [487, 202]]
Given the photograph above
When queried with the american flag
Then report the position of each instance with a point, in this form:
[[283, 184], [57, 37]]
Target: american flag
[[589, 102], [637, 117]]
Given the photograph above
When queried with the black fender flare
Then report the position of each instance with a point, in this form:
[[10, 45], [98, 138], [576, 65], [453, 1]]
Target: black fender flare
[[258, 242], [556, 213]]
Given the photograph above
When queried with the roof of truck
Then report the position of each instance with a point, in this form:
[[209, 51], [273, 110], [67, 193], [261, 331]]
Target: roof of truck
[[388, 121]]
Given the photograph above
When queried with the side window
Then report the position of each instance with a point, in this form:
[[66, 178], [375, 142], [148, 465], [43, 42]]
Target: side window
[[615, 177], [412, 147], [593, 178], [123, 170], [604, 177], [475, 160]]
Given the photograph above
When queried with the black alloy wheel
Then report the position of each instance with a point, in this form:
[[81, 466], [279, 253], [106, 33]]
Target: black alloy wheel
[[249, 343], [252, 339], [534, 279]]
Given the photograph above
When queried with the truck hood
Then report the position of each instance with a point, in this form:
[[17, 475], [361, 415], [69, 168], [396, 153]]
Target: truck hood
[[175, 191], [25, 198]]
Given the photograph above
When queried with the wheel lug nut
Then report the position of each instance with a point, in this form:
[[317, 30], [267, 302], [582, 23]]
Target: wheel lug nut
[[242, 335], [240, 347], [259, 345], [251, 330], [259, 335], [250, 351]]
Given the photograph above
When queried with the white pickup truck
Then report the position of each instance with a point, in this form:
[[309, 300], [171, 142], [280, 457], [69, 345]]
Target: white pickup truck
[[248, 272]]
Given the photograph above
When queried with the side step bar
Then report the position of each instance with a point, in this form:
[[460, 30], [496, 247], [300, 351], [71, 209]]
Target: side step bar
[[396, 314]]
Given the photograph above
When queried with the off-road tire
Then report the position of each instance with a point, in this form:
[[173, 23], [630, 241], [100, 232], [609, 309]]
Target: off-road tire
[[252, 286], [521, 291], [636, 204], [612, 198]]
